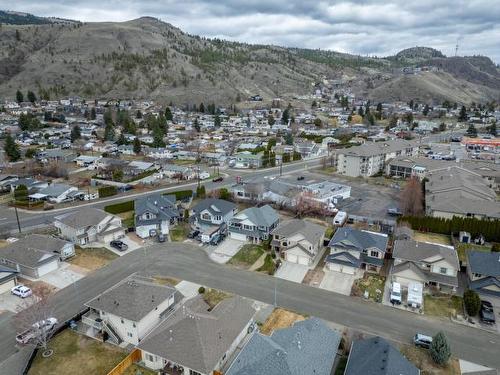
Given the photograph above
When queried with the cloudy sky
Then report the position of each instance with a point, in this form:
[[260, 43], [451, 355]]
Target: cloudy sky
[[367, 27]]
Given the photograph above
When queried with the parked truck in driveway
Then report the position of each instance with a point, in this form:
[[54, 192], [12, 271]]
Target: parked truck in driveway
[[38, 328]]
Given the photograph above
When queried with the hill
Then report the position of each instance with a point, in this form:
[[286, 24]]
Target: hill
[[148, 58]]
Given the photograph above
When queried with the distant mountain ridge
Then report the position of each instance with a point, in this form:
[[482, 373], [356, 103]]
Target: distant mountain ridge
[[148, 58], [21, 18]]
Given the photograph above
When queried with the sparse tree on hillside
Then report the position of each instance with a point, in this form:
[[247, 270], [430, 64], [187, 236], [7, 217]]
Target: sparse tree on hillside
[[137, 146], [462, 116], [471, 131], [19, 96], [270, 120], [168, 114], [75, 133], [412, 198], [31, 96], [11, 148]]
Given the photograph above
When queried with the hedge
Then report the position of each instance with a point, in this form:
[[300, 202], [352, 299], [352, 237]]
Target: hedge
[[107, 191], [119, 208], [490, 229], [181, 194]]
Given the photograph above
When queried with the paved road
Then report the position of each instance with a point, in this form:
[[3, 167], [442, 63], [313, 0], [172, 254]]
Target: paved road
[[189, 262], [8, 220]]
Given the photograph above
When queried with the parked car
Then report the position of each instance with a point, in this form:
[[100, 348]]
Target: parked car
[[422, 341], [161, 237], [396, 294], [394, 212], [218, 179], [119, 245], [217, 239], [21, 291], [300, 178], [486, 314], [193, 234], [31, 333]]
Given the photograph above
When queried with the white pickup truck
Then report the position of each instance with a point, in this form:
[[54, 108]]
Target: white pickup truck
[[36, 329]]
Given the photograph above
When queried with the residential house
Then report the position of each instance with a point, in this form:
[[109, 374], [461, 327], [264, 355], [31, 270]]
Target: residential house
[[8, 279], [155, 214], [129, 310], [483, 270], [178, 171], [86, 161], [307, 347], [52, 155], [55, 193], [31, 184], [431, 264], [6, 180], [197, 339], [88, 225], [370, 158], [376, 356], [298, 241], [352, 250], [34, 256], [254, 224], [212, 216], [459, 192], [246, 159]]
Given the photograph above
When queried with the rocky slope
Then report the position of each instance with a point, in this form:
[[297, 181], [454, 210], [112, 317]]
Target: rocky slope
[[147, 58]]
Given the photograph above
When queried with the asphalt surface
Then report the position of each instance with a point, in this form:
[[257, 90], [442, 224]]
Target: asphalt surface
[[8, 221], [189, 262]]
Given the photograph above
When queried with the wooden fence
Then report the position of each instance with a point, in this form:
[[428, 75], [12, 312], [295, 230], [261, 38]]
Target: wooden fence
[[121, 367]]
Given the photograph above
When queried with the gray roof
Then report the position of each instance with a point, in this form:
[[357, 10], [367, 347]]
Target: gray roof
[[132, 299], [33, 250], [55, 190], [375, 356], [378, 148], [310, 231], [214, 206], [344, 258], [486, 264], [355, 239], [426, 275], [261, 216], [489, 285], [82, 218], [308, 347], [163, 206], [416, 251], [196, 337]]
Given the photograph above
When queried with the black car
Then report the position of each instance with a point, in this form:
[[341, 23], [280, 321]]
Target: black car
[[486, 305], [394, 212], [119, 245], [300, 178], [217, 239], [193, 234], [487, 315], [218, 179]]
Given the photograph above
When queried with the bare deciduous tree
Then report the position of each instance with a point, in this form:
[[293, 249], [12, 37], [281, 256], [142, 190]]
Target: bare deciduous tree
[[412, 198]]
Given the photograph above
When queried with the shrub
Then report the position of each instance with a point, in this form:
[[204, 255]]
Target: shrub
[[496, 247], [181, 194], [119, 208], [440, 349], [107, 191], [201, 289], [472, 302]]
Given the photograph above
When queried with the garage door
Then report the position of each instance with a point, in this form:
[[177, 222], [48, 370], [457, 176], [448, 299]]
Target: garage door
[[46, 268], [304, 261], [6, 287], [238, 236], [292, 258]]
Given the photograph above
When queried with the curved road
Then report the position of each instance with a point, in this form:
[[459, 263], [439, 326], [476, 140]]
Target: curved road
[[189, 262]]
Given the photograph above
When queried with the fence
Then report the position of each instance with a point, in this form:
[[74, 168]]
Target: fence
[[121, 367]]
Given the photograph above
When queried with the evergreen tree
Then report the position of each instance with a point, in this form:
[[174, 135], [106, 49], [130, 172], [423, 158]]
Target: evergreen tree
[[270, 120], [137, 146], [196, 125], [472, 131], [492, 129], [158, 137], [75, 133], [31, 96], [138, 114], [202, 108], [19, 96], [425, 111], [217, 121], [11, 148], [472, 302], [92, 113], [168, 114], [440, 349], [121, 139], [109, 132], [285, 116], [462, 116]]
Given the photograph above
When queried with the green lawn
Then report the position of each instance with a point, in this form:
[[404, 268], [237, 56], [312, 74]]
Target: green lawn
[[269, 266], [77, 354], [464, 247], [432, 237], [442, 305], [247, 256], [136, 370], [179, 232], [372, 283]]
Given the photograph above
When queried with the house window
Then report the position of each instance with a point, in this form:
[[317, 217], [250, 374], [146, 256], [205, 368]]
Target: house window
[[133, 325], [149, 357], [122, 321], [129, 334], [443, 270], [192, 372], [374, 254]]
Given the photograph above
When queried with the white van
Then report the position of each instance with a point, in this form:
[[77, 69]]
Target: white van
[[340, 218], [396, 293]]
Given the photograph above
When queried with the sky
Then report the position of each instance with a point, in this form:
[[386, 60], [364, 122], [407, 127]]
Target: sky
[[365, 27]]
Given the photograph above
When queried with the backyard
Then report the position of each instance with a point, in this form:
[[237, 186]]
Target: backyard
[[432, 237], [92, 258], [443, 305], [77, 354], [421, 358], [247, 256], [127, 219]]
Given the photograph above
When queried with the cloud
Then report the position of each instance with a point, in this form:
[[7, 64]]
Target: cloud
[[366, 27]]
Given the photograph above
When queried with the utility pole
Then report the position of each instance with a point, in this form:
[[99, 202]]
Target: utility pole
[[17, 218], [281, 167]]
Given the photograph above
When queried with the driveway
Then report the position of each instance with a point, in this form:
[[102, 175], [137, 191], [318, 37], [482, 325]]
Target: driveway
[[12, 303], [338, 282], [62, 277], [132, 245], [225, 250], [188, 289], [291, 272]]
